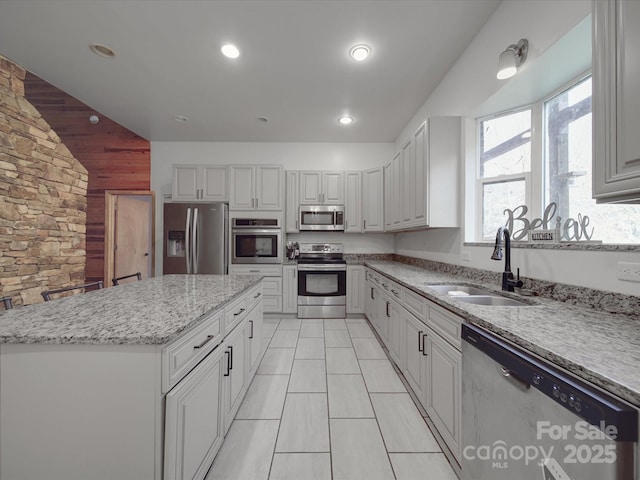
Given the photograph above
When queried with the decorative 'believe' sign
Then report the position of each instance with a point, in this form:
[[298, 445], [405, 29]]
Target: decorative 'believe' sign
[[572, 229]]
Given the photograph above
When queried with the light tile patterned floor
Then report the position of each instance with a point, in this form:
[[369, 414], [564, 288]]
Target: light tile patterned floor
[[326, 403]]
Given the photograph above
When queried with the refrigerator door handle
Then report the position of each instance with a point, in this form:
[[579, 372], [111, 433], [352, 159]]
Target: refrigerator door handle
[[187, 229], [195, 240]]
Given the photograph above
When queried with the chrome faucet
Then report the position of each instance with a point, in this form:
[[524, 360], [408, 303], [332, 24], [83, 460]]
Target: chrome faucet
[[508, 280]]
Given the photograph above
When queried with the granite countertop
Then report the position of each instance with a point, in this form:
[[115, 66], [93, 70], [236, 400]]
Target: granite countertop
[[602, 348], [153, 311]]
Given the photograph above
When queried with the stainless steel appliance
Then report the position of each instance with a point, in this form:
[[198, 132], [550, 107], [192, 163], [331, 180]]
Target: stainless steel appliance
[[322, 281], [256, 240], [525, 419], [322, 217], [195, 238]]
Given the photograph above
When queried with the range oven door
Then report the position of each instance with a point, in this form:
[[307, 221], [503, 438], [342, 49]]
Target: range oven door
[[322, 284], [256, 245]]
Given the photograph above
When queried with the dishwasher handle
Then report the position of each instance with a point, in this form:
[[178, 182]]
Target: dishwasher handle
[[513, 379]]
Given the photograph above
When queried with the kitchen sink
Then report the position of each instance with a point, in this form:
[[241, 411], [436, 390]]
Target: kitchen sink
[[465, 289], [491, 300]]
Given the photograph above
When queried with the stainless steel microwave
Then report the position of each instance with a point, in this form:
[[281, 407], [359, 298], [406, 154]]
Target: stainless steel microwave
[[322, 217]]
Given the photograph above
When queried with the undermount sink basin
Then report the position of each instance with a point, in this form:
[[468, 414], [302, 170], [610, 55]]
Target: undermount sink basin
[[491, 300], [465, 289]]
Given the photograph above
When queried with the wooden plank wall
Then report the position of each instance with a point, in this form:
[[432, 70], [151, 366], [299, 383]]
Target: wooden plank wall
[[116, 158]]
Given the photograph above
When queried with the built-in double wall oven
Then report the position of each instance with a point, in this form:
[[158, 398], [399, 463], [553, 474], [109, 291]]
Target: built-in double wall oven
[[256, 240]]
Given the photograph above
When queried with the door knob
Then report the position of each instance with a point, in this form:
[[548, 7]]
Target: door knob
[[146, 254]]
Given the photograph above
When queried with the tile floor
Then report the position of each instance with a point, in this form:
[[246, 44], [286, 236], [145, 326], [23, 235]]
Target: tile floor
[[326, 403]]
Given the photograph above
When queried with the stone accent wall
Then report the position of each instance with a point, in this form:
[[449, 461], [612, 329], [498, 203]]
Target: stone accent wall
[[43, 203]]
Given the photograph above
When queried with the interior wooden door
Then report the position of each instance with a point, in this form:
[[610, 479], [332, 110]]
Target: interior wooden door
[[129, 234]]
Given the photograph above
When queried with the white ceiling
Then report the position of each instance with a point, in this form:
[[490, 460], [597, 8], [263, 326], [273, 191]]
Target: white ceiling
[[294, 67]]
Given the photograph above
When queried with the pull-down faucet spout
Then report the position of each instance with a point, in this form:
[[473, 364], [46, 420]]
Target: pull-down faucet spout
[[508, 281]]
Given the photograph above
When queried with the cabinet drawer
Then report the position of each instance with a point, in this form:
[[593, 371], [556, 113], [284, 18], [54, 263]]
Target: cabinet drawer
[[234, 313], [272, 304], [253, 297], [416, 304], [264, 270], [447, 324], [272, 285], [183, 354]]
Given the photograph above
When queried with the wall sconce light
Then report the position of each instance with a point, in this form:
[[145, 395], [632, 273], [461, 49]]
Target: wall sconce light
[[511, 59]]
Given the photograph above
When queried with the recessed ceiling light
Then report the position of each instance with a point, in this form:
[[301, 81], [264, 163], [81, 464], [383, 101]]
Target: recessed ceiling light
[[181, 119], [230, 51], [360, 52], [345, 120], [102, 50]]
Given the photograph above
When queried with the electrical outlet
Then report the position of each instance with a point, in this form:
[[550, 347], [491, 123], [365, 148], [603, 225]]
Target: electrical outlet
[[629, 271], [466, 256]]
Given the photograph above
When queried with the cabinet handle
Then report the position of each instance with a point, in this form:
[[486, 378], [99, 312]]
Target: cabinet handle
[[386, 287], [228, 357], [239, 312], [296, 224], [254, 271], [207, 340], [372, 294], [394, 292], [420, 344], [388, 310], [258, 294], [424, 350], [251, 329], [364, 224]]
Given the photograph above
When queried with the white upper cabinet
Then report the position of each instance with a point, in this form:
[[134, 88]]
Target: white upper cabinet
[[292, 181], [199, 182], [616, 101], [372, 200], [321, 188], [256, 187], [353, 203], [424, 185]]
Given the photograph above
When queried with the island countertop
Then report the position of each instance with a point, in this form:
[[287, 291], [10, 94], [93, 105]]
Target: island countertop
[[152, 312], [602, 348]]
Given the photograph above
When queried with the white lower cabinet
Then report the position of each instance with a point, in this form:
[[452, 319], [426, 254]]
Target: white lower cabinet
[[290, 289], [194, 426], [255, 321], [235, 372], [271, 283], [355, 289], [423, 340], [443, 382]]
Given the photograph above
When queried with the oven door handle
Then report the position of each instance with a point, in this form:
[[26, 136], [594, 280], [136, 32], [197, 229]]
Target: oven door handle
[[322, 268]]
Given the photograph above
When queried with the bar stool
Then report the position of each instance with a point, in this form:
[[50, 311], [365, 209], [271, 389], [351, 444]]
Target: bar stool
[[116, 280], [7, 303], [47, 293]]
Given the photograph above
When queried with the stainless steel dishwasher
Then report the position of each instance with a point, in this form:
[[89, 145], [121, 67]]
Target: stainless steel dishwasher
[[523, 419]]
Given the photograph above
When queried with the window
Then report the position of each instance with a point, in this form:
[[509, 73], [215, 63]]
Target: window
[[505, 168], [510, 175]]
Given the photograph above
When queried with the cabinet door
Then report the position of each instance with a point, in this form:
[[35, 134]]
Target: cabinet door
[[388, 196], [193, 421], [214, 183], [333, 188], [355, 289], [616, 101], [384, 313], [269, 187], [235, 371], [396, 334], [353, 202], [290, 289], [443, 377], [310, 188], [443, 175], [419, 181], [397, 189], [292, 202], [406, 183], [373, 200], [369, 300], [185, 185], [242, 185], [416, 360], [254, 323]]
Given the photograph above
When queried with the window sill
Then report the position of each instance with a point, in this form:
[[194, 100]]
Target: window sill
[[582, 246]]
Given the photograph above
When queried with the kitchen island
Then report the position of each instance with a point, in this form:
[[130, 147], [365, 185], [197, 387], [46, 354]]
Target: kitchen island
[[114, 383]]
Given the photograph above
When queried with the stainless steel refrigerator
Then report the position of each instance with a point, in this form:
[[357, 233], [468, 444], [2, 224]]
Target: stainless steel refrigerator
[[196, 238]]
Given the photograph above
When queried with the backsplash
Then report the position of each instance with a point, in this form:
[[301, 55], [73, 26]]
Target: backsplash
[[580, 296]]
